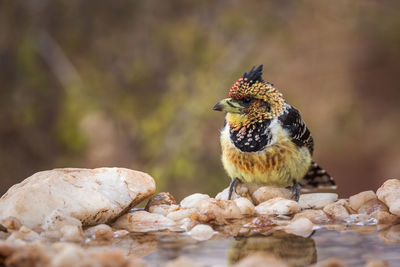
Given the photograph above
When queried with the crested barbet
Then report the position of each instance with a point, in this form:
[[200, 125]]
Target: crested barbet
[[265, 141]]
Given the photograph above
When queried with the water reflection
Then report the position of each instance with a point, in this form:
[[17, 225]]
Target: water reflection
[[353, 245], [296, 250]]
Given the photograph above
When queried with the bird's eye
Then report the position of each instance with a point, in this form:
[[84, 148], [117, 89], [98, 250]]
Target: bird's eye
[[247, 100]]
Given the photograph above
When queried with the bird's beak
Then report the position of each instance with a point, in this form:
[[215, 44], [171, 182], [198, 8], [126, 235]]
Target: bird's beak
[[228, 105]]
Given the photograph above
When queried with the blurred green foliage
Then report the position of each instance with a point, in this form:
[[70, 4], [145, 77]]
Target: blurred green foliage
[[132, 83]]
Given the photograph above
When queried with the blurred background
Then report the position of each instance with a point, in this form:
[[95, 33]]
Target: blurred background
[[132, 83]]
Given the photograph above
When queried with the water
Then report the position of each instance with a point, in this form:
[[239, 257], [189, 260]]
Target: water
[[353, 245]]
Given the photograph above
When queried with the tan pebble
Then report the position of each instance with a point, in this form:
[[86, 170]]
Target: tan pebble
[[163, 209], [372, 206], [163, 198], [181, 214], [143, 221], [226, 209], [278, 206], [359, 199], [389, 193], [315, 216], [100, 232], [384, 217], [301, 227], [265, 193], [71, 233], [337, 210], [245, 206]]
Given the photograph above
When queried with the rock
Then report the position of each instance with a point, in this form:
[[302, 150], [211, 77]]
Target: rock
[[11, 223], [57, 219], [316, 200], [245, 206], [315, 216], [223, 209], [376, 263], [377, 210], [71, 233], [372, 206], [181, 214], [143, 221], [277, 206], [359, 199], [163, 209], [100, 232], [337, 210], [242, 190], [25, 234], [201, 232], [389, 193], [301, 227], [91, 195], [194, 200], [261, 259], [265, 193], [163, 198], [384, 217]]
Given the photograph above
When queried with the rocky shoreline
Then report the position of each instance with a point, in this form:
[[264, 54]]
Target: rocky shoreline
[[86, 217]]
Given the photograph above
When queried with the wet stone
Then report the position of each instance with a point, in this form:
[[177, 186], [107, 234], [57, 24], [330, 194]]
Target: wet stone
[[143, 221], [265, 193], [194, 200], [201, 232], [316, 200], [163, 198], [315, 216], [389, 193], [356, 201], [279, 206], [337, 210]]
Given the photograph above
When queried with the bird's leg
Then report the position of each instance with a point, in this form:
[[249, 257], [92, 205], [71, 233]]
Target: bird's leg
[[296, 190], [232, 186]]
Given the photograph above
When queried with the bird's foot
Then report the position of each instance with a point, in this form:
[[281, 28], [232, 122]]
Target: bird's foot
[[296, 190], [232, 186]]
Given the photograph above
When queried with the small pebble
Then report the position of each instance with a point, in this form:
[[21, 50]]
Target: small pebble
[[194, 200], [201, 232]]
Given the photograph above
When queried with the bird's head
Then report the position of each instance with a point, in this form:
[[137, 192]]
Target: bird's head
[[251, 100]]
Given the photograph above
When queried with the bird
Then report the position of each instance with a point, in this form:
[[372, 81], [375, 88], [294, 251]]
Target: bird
[[265, 141]]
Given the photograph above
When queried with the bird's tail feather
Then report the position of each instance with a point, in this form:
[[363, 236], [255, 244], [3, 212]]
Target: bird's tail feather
[[317, 178]]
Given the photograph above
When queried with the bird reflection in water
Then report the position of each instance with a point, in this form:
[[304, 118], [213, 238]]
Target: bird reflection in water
[[295, 250]]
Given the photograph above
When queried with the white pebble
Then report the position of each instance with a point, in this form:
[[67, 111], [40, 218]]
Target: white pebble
[[201, 232], [194, 200]]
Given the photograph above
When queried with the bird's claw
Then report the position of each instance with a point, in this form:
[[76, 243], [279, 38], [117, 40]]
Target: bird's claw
[[232, 186]]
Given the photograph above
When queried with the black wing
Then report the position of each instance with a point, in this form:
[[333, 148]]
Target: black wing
[[316, 177], [294, 124]]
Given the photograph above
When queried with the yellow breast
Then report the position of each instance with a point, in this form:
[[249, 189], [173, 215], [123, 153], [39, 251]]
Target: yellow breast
[[276, 165]]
